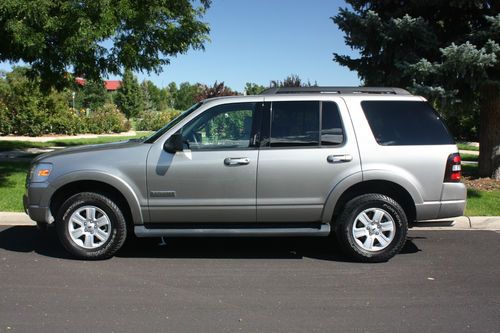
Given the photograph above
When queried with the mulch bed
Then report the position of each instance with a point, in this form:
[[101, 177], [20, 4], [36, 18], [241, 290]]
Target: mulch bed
[[483, 184]]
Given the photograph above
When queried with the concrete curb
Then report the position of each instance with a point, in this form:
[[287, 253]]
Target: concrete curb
[[459, 223], [12, 219]]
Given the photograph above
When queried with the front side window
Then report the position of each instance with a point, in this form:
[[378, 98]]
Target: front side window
[[226, 126]]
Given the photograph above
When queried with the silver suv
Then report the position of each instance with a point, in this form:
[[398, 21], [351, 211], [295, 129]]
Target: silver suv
[[360, 163]]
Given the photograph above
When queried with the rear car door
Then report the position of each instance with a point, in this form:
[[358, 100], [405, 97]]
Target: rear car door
[[307, 147]]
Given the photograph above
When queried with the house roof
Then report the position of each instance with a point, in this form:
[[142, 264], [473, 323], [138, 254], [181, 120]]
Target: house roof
[[110, 85]]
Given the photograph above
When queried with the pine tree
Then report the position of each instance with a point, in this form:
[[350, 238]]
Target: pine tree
[[129, 96], [148, 103], [447, 51]]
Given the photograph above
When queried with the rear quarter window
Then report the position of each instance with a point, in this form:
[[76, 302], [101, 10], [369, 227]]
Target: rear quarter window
[[400, 123]]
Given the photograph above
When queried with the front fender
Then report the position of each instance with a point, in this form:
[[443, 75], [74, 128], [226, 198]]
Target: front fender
[[97, 175]]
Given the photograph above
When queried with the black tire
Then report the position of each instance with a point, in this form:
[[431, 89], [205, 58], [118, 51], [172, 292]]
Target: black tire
[[117, 227], [348, 217]]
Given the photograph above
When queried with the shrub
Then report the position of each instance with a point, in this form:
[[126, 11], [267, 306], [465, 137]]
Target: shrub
[[5, 120], [153, 121], [106, 119], [60, 118], [27, 110]]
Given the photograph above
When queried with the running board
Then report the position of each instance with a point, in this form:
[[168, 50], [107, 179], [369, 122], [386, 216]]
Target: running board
[[323, 230]]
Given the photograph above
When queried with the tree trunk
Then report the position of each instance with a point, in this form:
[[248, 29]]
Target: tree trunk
[[489, 131]]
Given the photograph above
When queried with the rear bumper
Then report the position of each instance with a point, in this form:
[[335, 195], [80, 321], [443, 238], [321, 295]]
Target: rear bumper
[[452, 203]]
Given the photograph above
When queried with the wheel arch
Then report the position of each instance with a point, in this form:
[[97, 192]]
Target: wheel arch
[[101, 183], [338, 199]]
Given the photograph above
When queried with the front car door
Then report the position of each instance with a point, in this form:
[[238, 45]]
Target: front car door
[[214, 178]]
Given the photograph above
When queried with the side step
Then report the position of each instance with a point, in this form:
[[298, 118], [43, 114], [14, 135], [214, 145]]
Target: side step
[[141, 231]]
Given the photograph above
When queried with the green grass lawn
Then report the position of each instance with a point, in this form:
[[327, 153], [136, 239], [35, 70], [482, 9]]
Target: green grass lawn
[[12, 178], [469, 157], [482, 203], [11, 145], [13, 175], [463, 146]]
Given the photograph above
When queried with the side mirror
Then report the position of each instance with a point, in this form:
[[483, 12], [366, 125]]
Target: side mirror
[[174, 144]]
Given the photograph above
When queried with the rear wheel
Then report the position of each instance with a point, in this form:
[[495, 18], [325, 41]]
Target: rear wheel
[[372, 228], [91, 226]]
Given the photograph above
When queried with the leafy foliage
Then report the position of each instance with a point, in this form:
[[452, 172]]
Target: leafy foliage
[[91, 96], [447, 51], [292, 80], [253, 88], [105, 120], [217, 90], [153, 121], [26, 110], [58, 36], [129, 97], [186, 95]]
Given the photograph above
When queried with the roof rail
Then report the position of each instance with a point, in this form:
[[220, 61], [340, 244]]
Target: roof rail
[[336, 90]]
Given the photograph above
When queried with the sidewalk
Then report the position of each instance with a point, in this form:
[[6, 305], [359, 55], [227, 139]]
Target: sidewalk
[[460, 223]]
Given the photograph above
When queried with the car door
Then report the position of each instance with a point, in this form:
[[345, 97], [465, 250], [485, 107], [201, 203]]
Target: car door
[[306, 149], [214, 178]]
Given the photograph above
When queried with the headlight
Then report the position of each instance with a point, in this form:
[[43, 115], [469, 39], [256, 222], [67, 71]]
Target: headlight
[[40, 172]]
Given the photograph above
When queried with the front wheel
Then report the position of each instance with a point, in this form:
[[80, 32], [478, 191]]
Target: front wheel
[[91, 226], [372, 228]]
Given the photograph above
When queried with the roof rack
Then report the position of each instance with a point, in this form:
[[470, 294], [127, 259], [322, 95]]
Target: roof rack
[[336, 90]]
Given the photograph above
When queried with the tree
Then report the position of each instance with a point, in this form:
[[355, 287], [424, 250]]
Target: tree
[[186, 95], [253, 88], [91, 96], [129, 97], [26, 110], [292, 80], [447, 51], [148, 103], [171, 92], [156, 95], [97, 38], [217, 90]]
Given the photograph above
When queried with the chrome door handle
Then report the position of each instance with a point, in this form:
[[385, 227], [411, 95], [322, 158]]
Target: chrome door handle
[[236, 161], [339, 158]]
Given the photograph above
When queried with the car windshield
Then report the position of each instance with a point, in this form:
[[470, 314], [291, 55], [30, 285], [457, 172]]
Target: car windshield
[[171, 124]]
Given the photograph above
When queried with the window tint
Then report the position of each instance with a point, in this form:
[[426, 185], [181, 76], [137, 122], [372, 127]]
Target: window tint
[[332, 132], [295, 124], [396, 123], [227, 126]]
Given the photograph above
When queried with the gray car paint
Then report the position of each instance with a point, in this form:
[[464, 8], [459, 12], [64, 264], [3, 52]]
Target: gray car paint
[[292, 185]]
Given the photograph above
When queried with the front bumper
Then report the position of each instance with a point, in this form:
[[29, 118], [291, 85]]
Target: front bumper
[[36, 204]]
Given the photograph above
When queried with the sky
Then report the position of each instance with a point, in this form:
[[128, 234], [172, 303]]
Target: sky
[[259, 41]]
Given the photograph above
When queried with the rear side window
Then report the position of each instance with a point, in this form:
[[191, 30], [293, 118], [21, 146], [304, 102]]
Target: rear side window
[[304, 124], [295, 124], [332, 132], [400, 123]]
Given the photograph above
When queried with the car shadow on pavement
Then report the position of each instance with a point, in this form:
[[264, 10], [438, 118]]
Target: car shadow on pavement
[[45, 242]]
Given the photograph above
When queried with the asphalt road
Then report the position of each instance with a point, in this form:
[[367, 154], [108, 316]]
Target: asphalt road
[[444, 281]]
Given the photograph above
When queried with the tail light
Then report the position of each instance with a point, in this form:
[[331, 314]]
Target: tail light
[[453, 171]]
